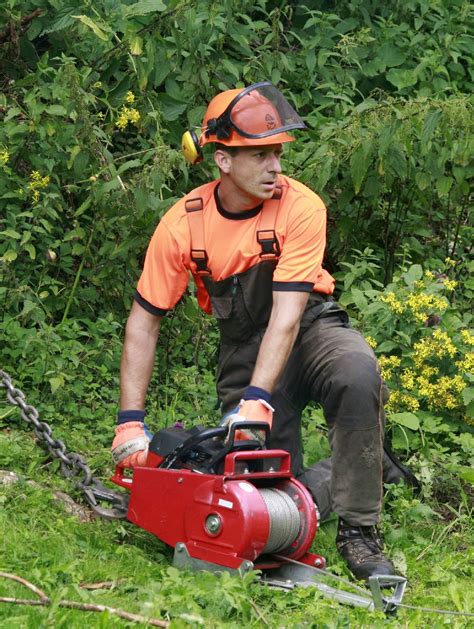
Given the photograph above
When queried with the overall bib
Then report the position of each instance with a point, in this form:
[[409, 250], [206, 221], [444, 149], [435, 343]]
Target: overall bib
[[330, 364]]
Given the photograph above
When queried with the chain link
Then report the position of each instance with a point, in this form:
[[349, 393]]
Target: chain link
[[73, 465]]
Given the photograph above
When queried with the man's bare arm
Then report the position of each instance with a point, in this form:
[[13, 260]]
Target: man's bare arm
[[279, 338], [138, 357]]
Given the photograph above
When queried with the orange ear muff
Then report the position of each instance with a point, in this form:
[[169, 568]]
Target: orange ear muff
[[191, 148]]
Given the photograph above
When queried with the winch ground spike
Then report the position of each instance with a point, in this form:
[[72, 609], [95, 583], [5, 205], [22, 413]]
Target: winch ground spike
[[303, 575]]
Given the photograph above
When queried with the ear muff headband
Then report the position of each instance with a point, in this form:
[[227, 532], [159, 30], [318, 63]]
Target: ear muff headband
[[190, 147]]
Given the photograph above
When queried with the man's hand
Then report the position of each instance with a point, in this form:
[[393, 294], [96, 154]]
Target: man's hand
[[254, 409], [130, 445]]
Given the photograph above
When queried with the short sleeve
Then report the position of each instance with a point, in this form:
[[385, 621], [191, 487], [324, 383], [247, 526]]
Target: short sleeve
[[164, 277], [300, 262]]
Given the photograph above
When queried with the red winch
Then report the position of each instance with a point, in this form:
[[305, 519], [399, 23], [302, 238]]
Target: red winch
[[222, 503], [225, 504]]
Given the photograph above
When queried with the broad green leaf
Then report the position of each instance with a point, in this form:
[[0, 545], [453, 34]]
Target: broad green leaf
[[100, 31], [443, 185], [466, 473], [414, 273], [144, 6], [171, 108], [136, 45], [231, 68], [423, 180], [11, 233], [28, 306], [408, 420], [386, 346], [468, 395], [31, 250], [431, 122], [56, 110], [359, 298], [56, 382], [133, 163], [391, 55], [360, 161], [9, 256], [402, 78]]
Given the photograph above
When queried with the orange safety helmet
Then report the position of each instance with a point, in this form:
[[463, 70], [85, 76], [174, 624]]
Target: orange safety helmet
[[257, 115], [252, 116]]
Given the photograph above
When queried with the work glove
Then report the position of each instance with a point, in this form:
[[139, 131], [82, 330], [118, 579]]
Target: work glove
[[130, 444], [254, 406]]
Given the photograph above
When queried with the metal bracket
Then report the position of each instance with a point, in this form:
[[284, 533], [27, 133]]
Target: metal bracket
[[384, 603], [182, 559]]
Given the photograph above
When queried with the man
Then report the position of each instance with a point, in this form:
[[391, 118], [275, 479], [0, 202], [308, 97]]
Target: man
[[254, 241]]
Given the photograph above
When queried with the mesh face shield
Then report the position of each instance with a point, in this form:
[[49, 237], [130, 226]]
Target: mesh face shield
[[257, 112]]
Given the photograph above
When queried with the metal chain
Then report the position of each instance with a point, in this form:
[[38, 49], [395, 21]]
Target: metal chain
[[73, 465]]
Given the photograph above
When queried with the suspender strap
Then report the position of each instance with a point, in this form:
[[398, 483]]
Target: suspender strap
[[194, 208], [266, 235]]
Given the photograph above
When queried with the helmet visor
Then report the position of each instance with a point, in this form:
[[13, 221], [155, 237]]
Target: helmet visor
[[260, 111]]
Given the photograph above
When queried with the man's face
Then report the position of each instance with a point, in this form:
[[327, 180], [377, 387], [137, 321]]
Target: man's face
[[252, 171]]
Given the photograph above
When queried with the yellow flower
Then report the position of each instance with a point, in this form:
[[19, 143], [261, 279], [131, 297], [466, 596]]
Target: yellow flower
[[438, 345], [467, 337], [134, 116], [122, 121], [100, 115], [450, 284], [422, 305], [390, 299], [4, 156], [127, 114], [36, 184], [429, 275], [466, 365], [130, 97], [402, 401], [97, 85], [450, 262], [407, 379], [371, 342], [388, 364]]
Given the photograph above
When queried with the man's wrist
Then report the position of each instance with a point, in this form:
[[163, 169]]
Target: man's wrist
[[130, 415], [256, 393]]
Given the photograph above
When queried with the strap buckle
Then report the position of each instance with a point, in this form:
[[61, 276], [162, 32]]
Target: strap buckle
[[267, 239], [200, 259]]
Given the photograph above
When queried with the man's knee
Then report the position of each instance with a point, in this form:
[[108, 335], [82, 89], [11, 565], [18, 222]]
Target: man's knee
[[353, 391]]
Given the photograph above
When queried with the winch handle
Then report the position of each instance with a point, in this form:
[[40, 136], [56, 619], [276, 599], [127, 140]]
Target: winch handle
[[233, 457], [248, 424]]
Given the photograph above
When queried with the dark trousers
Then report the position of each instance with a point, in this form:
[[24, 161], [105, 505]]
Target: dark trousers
[[330, 364]]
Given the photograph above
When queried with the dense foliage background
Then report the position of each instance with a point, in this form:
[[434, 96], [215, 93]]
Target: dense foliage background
[[94, 99]]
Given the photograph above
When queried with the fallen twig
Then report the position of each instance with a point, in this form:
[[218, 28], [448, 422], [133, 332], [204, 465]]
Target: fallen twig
[[30, 586], [46, 601]]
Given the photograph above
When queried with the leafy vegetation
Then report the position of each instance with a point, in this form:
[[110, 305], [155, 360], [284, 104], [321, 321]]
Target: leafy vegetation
[[94, 99]]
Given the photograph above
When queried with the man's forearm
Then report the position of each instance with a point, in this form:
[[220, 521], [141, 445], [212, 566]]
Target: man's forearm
[[138, 358], [272, 357], [279, 339]]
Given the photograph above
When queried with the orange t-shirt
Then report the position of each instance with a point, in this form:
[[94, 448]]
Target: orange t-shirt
[[232, 247]]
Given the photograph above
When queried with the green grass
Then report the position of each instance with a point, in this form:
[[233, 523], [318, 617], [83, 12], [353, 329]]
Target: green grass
[[55, 551]]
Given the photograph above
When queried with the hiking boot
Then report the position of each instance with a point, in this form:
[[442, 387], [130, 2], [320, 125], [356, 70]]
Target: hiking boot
[[361, 547]]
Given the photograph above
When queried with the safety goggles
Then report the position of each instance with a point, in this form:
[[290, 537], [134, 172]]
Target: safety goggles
[[258, 111]]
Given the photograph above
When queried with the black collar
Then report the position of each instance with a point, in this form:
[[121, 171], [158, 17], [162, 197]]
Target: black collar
[[239, 216]]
